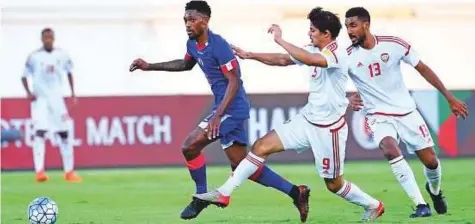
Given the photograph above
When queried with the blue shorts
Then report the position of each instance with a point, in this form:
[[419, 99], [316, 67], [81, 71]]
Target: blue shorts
[[231, 130]]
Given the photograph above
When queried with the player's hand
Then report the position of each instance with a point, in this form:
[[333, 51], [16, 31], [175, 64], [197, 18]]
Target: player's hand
[[213, 127], [138, 64], [31, 97], [458, 107], [275, 29], [355, 102], [240, 52]]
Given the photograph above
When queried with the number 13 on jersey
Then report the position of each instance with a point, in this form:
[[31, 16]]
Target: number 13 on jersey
[[374, 69]]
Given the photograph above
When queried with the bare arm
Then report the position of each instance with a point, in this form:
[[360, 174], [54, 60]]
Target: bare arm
[[274, 59], [432, 78], [302, 55], [458, 107], [298, 53], [177, 65], [71, 84], [25, 86], [229, 95], [231, 91]]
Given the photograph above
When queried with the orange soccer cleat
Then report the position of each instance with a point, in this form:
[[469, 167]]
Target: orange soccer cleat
[[41, 177], [72, 177]]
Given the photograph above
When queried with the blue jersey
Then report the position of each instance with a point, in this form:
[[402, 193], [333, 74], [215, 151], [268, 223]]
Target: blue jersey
[[216, 58]]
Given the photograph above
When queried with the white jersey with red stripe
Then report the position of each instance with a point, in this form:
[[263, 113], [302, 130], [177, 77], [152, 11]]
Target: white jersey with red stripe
[[327, 100], [377, 75]]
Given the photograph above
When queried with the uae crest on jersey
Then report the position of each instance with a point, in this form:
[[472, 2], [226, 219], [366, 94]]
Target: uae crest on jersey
[[385, 57]]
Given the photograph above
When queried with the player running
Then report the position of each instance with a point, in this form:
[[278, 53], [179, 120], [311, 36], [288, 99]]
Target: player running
[[391, 112], [230, 112], [47, 67], [321, 124]]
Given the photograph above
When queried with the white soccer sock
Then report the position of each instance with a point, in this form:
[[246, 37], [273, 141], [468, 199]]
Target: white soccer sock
[[434, 177], [244, 170], [39, 153], [355, 195], [406, 178], [67, 154]]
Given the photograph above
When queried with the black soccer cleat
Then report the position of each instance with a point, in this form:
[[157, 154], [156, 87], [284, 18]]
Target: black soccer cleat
[[302, 202], [194, 208], [440, 205], [422, 210]]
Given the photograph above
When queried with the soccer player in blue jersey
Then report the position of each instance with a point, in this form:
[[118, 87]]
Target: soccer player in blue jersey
[[230, 112]]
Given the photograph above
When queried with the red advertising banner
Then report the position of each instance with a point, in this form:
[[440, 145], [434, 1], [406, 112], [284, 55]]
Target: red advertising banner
[[110, 131], [149, 130]]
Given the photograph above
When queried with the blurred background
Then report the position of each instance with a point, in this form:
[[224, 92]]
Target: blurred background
[[140, 119]]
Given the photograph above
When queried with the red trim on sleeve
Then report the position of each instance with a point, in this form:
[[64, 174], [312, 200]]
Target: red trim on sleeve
[[187, 56], [229, 66]]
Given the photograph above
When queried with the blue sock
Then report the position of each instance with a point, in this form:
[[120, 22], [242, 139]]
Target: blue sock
[[269, 178], [197, 168]]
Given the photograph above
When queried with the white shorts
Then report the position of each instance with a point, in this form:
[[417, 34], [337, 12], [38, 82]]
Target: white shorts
[[410, 128], [328, 143], [49, 114]]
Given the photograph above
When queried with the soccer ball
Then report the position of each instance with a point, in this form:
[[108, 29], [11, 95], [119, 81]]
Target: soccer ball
[[42, 210]]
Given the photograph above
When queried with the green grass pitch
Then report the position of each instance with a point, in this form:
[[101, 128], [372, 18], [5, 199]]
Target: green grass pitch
[[158, 195]]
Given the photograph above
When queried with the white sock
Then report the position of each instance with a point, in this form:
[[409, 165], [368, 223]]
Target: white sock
[[67, 154], [355, 195], [406, 178], [39, 153], [434, 177], [244, 170]]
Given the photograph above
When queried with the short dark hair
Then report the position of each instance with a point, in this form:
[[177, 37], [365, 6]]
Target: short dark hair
[[200, 6], [359, 12], [325, 20], [46, 30]]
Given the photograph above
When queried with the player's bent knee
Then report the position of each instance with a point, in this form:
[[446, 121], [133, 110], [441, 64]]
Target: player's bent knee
[[267, 145], [390, 148], [428, 158], [261, 148], [333, 185], [190, 149]]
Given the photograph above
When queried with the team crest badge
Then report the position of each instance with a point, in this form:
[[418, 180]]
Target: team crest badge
[[385, 57]]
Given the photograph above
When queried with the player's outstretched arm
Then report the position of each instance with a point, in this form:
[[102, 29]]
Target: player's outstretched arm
[[273, 59], [177, 65], [298, 53], [458, 107]]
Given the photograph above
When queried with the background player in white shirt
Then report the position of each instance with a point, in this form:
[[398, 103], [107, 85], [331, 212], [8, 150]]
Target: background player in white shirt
[[391, 112], [320, 125], [47, 68]]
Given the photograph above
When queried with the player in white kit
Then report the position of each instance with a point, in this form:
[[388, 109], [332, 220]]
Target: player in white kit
[[320, 125], [47, 67], [391, 112]]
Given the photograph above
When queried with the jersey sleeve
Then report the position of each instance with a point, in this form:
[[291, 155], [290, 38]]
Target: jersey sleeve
[[224, 56], [401, 47], [29, 67], [331, 58], [411, 57]]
